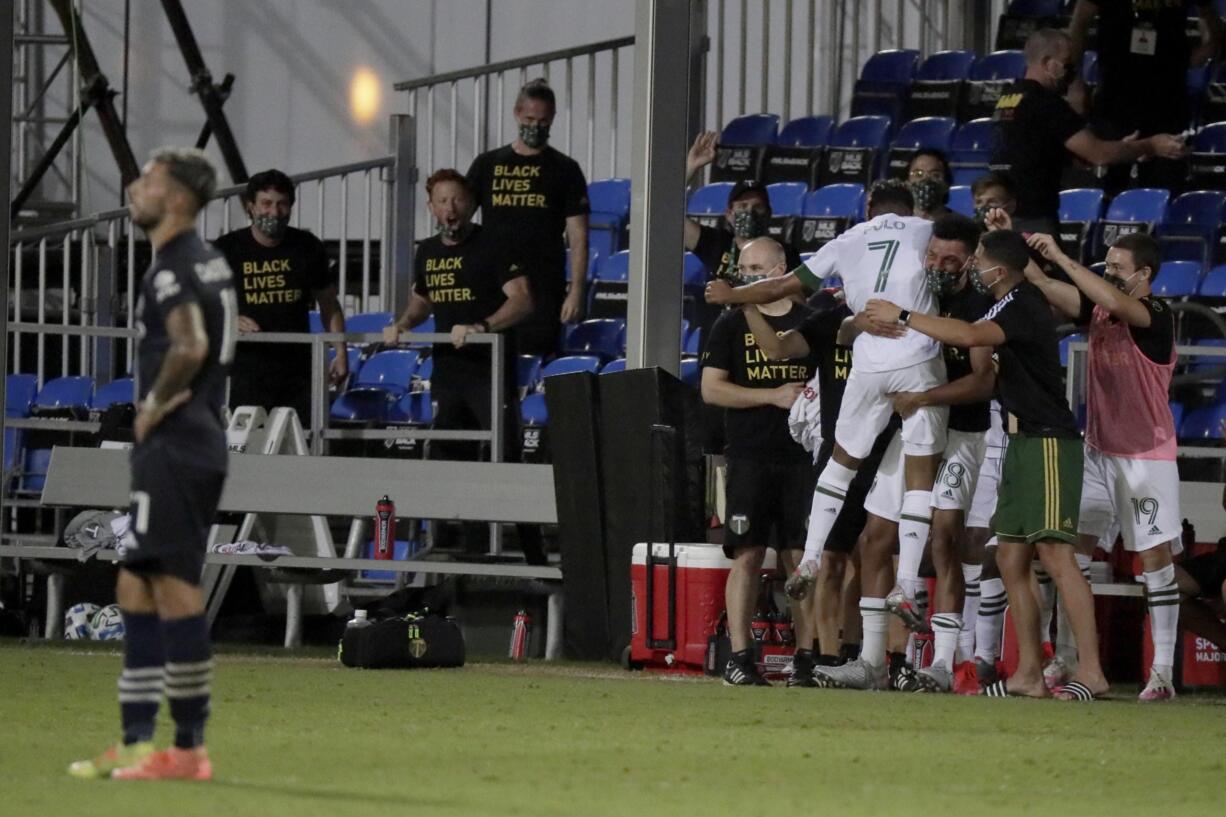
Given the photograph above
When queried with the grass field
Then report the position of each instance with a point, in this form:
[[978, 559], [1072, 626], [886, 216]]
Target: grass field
[[301, 736]]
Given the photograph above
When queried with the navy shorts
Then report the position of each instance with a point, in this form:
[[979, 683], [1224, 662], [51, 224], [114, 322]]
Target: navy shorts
[[175, 491], [765, 498]]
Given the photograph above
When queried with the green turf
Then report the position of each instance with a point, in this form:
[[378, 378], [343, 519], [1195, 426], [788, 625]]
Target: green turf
[[304, 737]]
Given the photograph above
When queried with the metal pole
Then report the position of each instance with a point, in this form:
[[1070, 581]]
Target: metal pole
[[497, 415], [835, 56], [403, 209], [877, 32], [744, 44], [787, 62], [899, 17], [613, 115], [811, 60], [764, 103], [719, 68], [6, 157]]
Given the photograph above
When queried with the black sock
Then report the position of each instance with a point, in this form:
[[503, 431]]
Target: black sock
[[849, 652], [142, 682], [189, 674], [827, 660]]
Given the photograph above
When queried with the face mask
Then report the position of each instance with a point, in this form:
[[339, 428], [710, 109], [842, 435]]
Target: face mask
[[748, 224], [981, 286], [534, 136], [1066, 80], [451, 233], [939, 281], [929, 194], [1122, 284], [271, 226]]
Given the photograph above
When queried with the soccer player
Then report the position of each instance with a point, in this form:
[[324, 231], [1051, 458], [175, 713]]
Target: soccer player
[[186, 317], [1040, 490], [1130, 445]]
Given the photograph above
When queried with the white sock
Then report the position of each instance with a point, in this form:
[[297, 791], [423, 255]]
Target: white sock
[[1162, 595], [913, 528], [876, 623], [992, 604], [970, 611], [1047, 602], [828, 499], [945, 629]]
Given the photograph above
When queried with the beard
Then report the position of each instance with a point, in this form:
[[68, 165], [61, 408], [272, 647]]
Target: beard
[[145, 219]]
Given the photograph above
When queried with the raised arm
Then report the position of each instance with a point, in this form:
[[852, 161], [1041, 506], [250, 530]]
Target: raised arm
[[1121, 305], [776, 347]]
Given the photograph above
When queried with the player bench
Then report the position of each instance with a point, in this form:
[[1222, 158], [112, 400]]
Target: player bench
[[328, 486]]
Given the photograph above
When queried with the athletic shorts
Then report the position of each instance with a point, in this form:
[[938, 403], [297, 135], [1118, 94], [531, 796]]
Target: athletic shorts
[[1142, 494], [866, 410], [958, 475], [1040, 489], [851, 519], [983, 503], [175, 491], [767, 504], [884, 497]]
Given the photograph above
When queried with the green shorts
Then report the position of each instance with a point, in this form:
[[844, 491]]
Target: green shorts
[[1040, 489]]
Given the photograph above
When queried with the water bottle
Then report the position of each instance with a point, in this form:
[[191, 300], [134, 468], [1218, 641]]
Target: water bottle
[[360, 619], [385, 527], [521, 631]]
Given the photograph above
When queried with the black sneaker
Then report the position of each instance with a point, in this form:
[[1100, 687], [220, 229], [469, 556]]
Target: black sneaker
[[802, 670], [741, 671]]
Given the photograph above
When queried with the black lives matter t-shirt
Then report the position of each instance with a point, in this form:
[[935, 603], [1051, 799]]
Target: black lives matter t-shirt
[[821, 331], [525, 201], [463, 283], [965, 305], [277, 285], [759, 433], [1032, 124], [1030, 384]]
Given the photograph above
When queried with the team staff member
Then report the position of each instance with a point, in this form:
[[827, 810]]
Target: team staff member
[[531, 196], [1037, 131], [281, 271], [465, 277], [1044, 453], [186, 314], [770, 476]]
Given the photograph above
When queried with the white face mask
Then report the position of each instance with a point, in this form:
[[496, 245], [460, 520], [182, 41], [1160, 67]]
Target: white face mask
[[1122, 284]]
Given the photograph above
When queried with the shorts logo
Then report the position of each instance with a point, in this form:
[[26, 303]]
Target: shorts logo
[[912, 535], [1155, 531], [947, 493], [1067, 523], [739, 524]]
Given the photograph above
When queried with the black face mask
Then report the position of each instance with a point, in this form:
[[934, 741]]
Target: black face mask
[[534, 136], [748, 224], [1066, 79], [929, 194]]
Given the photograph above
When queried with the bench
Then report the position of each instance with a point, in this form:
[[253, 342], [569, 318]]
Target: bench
[[326, 486]]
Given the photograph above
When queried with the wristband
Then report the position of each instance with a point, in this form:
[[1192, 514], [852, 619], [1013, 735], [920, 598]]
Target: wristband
[[904, 315]]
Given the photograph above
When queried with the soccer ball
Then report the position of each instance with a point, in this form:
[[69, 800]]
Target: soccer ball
[[108, 624], [78, 621]]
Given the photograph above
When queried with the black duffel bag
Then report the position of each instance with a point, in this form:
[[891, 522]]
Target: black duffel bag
[[404, 642]]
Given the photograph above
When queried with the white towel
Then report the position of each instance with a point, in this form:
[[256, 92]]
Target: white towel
[[805, 418]]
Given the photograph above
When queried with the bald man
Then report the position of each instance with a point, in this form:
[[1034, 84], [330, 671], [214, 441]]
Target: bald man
[[1037, 131], [770, 476]]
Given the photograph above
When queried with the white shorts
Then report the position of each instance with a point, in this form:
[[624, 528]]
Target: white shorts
[[1143, 495], [866, 409], [983, 503], [884, 498], [956, 480]]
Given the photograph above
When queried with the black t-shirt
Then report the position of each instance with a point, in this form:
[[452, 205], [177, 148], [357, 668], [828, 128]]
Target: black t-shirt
[[276, 287], [1033, 123], [759, 433], [1030, 384], [1154, 340], [718, 252], [186, 270], [1141, 90], [965, 305], [463, 283], [821, 331], [525, 201]]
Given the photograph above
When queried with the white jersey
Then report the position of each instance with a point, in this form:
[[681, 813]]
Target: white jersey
[[881, 258]]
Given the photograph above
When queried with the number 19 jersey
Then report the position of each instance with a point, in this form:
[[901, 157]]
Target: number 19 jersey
[[881, 258]]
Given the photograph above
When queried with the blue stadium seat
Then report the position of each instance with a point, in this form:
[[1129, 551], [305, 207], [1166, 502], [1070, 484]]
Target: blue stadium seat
[[1177, 279], [610, 212], [1203, 423], [532, 411], [785, 199], [424, 373], [988, 77], [1214, 285], [528, 372], [1036, 8], [855, 151], [693, 272], [938, 84], [1080, 209], [806, 132], [741, 146], [571, 364], [383, 379], [614, 366], [945, 65], [751, 129], [930, 132], [691, 371], [413, 408], [1177, 413], [64, 394], [882, 87], [708, 203], [19, 392], [1206, 170], [605, 337], [1204, 363], [120, 390], [971, 149], [1190, 231], [615, 267], [1089, 68], [797, 151], [961, 200], [693, 341], [896, 66], [34, 470], [315, 322], [825, 213], [1139, 210], [593, 261], [368, 321]]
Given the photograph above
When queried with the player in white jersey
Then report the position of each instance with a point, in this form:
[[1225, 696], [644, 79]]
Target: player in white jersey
[[984, 611]]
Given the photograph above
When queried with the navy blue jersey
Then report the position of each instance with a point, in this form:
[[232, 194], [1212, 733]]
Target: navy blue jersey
[[187, 270]]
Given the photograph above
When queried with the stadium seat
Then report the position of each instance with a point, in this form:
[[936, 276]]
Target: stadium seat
[[1206, 166], [825, 213], [615, 267], [882, 87], [1205, 363], [1080, 209], [690, 372], [741, 145], [1024, 17], [1203, 423], [938, 84], [1089, 68], [708, 203], [605, 337], [693, 273], [610, 213], [608, 291], [1214, 285], [797, 152], [368, 322], [314, 322], [12, 453], [571, 364], [1138, 210], [614, 366], [693, 341], [1214, 107], [930, 132], [532, 411], [120, 390], [64, 397], [1177, 413], [987, 79], [34, 470], [19, 392], [1192, 226], [1177, 279], [528, 372], [1197, 86], [971, 149], [383, 379], [785, 199], [961, 200], [855, 151], [593, 262]]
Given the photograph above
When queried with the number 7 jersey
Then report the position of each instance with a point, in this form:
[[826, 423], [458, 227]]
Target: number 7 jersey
[[881, 258], [186, 270]]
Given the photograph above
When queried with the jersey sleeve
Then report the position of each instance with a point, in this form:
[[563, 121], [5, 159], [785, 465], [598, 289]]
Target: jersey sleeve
[[172, 286], [574, 192], [820, 267], [1015, 320], [1155, 341], [718, 352]]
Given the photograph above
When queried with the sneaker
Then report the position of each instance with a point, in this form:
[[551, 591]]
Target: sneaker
[[1056, 673], [169, 764], [858, 674], [904, 679], [116, 757], [907, 610], [1158, 689], [739, 674], [935, 677], [802, 670], [987, 672], [966, 678], [800, 584]]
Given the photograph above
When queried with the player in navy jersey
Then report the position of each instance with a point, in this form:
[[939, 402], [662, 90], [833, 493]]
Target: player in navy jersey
[[186, 319]]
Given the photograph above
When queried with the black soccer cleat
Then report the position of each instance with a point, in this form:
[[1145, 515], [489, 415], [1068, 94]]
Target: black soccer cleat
[[742, 673], [803, 664]]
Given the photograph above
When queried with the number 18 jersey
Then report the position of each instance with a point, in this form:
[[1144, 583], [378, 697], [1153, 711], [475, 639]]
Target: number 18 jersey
[[881, 258]]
